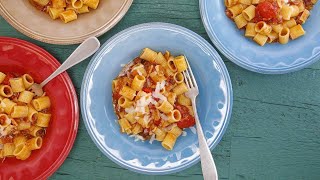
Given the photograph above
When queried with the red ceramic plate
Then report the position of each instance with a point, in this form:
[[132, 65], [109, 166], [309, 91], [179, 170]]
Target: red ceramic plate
[[22, 57]]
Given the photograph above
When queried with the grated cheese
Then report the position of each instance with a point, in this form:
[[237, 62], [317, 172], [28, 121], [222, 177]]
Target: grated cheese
[[164, 117], [137, 67], [184, 133], [160, 96], [143, 102], [146, 119], [156, 93], [140, 73], [152, 138], [137, 137], [154, 102], [193, 129], [129, 110], [168, 128], [3, 104], [160, 85], [3, 132]]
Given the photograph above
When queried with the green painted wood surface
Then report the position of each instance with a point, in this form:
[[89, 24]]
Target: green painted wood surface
[[274, 129]]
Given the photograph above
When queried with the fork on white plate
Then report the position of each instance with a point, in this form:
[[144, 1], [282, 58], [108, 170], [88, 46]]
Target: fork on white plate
[[208, 166]]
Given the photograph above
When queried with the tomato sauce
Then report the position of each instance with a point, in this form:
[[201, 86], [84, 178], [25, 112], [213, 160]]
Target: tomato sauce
[[137, 60], [171, 80], [6, 139], [122, 81], [41, 133], [228, 13], [116, 96], [8, 76], [148, 66], [157, 123], [2, 120], [308, 4], [267, 11], [147, 89], [145, 133], [152, 106], [15, 96], [186, 119]]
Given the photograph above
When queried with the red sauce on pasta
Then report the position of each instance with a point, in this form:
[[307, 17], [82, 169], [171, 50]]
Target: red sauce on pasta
[[308, 4], [228, 13], [145, 133], [171, 80], [41, 133], [116, 96], [147, 89], [25, 133], [8, 76], [15, 96], [157, 123], [186, 122], [2, 120], [267, 11], [6, 139], [186, 119]]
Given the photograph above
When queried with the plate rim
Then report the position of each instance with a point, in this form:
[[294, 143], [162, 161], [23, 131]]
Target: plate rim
[[238, 61], [113, 40], [66, 41], [73, 95]]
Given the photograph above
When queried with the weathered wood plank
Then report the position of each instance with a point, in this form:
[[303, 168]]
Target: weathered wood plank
[[275, 125]]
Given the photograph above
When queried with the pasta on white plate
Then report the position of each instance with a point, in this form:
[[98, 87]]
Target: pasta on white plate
[[149, 98], [66, 10], [268, 21], [23, 117]]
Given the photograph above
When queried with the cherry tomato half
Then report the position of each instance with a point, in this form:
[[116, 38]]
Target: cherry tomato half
[[266, 11]]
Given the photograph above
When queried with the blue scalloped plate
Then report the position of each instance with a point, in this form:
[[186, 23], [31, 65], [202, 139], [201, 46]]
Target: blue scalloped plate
[[214, 102], [269, 59]]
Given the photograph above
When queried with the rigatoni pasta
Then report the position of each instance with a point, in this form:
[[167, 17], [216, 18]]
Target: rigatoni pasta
[[66, 10], [149, 98], [268, 21], [23, 117]]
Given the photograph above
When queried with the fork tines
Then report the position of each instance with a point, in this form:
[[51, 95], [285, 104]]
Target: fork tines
[[188, 74]]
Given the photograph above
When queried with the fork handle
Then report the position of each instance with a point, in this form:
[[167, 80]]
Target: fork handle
[[208, 166], [84, 50]]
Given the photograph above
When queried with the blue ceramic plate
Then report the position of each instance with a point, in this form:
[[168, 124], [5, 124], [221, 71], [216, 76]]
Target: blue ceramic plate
[[269, 59], [214, 102]]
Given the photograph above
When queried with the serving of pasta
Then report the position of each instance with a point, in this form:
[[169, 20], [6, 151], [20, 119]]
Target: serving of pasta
[[23, 117], [149, 98], [66, 10], [268, 21]]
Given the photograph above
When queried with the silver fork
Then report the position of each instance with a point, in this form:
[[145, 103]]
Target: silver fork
[[208, 166]]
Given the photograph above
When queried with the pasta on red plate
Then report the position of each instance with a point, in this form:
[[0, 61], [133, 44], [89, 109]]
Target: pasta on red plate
[[23, 117]]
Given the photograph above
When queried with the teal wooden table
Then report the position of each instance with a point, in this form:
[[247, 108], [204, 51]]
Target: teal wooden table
[[275, 126]]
